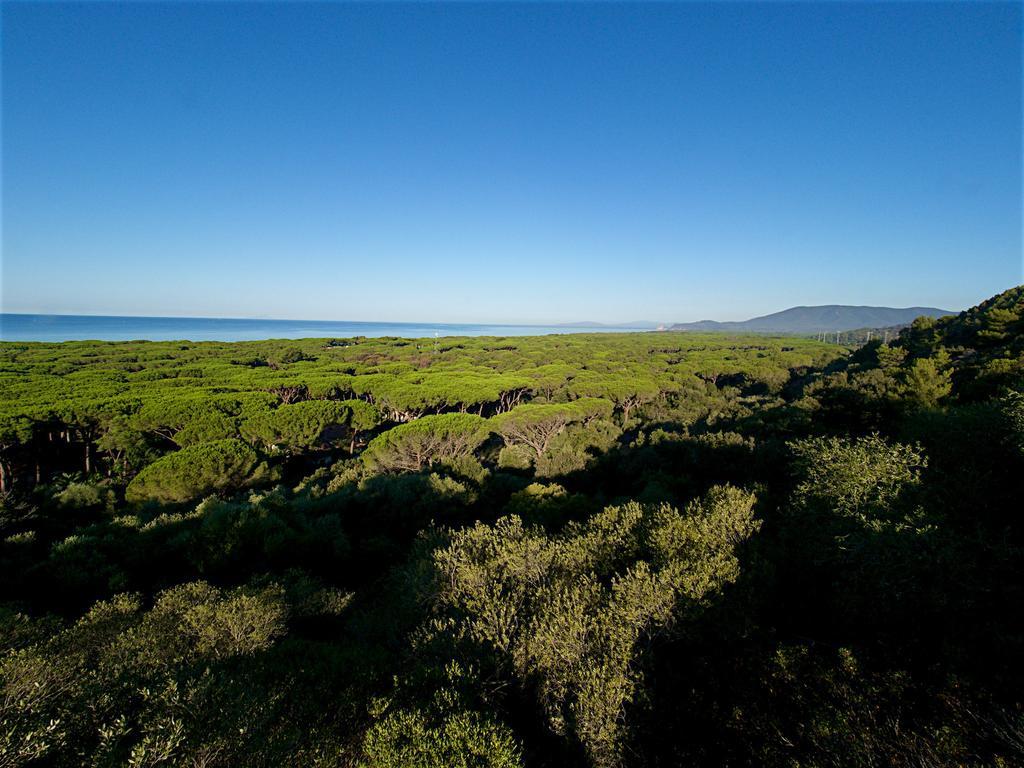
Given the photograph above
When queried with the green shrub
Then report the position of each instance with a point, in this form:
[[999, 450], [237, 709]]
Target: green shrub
[[571, 613], [515, 457], [412, 738], [435, 718], [84, 496]]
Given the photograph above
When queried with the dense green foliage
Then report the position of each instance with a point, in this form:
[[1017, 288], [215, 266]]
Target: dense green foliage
[[598, 550], [420, 443], [198, 470]]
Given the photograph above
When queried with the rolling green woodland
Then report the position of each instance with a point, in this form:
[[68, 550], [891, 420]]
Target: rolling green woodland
[[648, 549]]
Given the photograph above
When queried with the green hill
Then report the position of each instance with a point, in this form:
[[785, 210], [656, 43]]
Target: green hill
[[985, 343]]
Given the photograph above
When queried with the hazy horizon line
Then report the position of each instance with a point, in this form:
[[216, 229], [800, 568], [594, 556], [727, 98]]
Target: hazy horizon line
[[527, 323], [506, 323]]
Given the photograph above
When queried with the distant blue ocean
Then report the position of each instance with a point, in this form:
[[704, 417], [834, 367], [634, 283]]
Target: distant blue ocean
[[84, 327]]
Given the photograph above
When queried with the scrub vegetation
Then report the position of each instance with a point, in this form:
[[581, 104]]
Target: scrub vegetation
[[649, 549]]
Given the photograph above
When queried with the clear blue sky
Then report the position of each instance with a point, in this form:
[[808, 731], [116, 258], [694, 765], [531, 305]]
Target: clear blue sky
[[490, 162]]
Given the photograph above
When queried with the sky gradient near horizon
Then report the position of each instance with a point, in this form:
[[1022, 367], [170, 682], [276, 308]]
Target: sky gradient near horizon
[[508, 163]]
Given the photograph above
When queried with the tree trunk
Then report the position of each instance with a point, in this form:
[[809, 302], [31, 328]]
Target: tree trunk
[[88, 463], [3, 478]]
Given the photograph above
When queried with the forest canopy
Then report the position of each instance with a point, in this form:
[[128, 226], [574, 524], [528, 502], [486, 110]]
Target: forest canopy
[[602, 550]]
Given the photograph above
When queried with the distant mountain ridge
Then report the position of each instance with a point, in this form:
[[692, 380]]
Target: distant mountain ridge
[[829, 317]]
